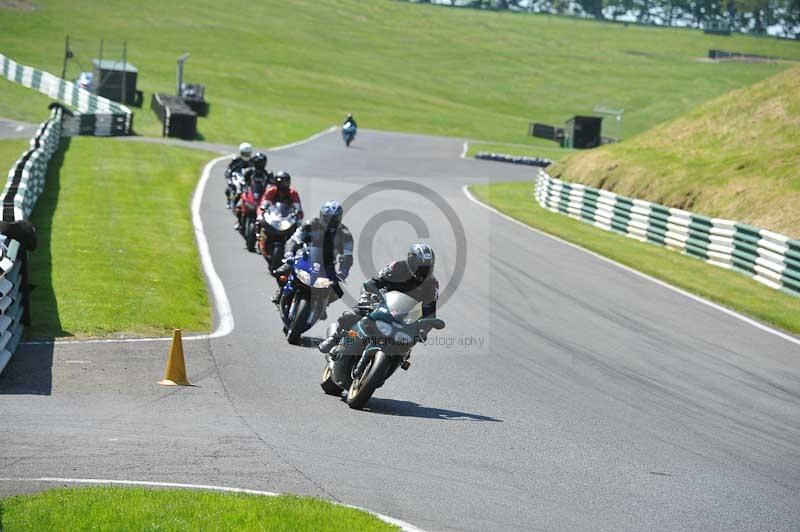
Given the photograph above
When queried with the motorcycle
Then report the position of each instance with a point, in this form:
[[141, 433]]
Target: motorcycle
[[246, 212], [348, 133], [277, 224], [306, 293], [368, 354], [234, 191]]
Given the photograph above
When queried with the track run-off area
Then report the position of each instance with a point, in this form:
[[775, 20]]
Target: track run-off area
[[566, 393]]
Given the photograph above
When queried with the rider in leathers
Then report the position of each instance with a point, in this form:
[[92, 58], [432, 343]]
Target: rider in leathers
[[258, 177], [282, 191], [238, 165], [413, 276], [334, 237]]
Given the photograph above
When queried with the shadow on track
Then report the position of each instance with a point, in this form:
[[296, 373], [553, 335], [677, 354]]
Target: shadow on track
[[394, 407], [30, 371]]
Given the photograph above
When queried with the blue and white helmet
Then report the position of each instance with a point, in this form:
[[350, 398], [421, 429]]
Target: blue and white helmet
[[331, 214]]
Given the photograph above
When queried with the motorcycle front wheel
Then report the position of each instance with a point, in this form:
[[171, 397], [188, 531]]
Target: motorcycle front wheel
[[296, 329], [327, 384], [250, 234], [374, 374]]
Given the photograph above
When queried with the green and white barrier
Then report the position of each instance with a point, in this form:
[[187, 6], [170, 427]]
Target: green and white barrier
[[24, 186], [770, 258], [94, 114]]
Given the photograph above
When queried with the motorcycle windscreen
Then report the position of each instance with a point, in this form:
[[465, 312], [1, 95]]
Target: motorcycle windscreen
[[316, 261], [403, 307], [278, 216], [281, 209]]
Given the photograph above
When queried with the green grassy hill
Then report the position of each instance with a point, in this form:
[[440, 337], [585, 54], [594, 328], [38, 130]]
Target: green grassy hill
[[279, 70], [735, 157]]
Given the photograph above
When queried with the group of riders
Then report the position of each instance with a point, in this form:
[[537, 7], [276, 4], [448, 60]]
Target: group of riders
[[412, 276]]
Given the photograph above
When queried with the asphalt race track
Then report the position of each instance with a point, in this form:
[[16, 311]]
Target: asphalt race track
[[598, 400], [14, 129]]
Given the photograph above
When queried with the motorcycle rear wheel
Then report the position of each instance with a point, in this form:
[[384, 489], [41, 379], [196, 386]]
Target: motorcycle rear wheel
[[374, 374]]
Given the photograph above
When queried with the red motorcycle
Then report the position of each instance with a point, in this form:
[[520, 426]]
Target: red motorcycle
[[246, 214]]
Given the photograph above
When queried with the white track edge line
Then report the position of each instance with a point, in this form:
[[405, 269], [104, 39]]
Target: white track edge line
[[664, 284], [222, 305], [406, 527]]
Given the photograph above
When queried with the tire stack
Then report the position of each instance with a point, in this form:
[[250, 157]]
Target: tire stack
[[502, 157], [179, 119]]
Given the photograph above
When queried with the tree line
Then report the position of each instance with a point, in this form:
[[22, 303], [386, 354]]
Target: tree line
[[780, 18]]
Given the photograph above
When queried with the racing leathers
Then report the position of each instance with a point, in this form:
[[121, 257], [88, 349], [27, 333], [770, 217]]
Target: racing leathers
[[337, 249], [275, 195], [394, 277], [237, 166]]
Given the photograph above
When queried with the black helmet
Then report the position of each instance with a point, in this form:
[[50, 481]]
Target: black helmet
[[330, 214], [283, 181], [259, 161], [420, 260]]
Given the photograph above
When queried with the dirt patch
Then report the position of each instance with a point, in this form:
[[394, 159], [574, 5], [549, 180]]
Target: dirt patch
[[18, 5], [638, 53]]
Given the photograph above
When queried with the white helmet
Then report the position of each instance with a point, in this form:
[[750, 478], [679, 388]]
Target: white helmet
[[246, 150]]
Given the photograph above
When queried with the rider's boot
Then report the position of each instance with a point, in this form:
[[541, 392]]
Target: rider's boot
[[276, 297], [327, 344]]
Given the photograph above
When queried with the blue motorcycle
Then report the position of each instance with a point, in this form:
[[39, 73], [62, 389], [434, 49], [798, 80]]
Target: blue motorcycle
[[348, 133], [306, 293]]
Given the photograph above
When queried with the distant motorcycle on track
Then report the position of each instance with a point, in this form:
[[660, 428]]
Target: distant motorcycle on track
[[348, 132]]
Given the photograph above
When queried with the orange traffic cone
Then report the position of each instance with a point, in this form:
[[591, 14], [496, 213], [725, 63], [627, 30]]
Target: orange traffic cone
[[175, 372]]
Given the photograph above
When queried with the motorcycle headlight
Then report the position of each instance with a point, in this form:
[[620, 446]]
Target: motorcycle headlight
[[322, 282], [284, 225], [403, 338], [384, 328], [304, 276]]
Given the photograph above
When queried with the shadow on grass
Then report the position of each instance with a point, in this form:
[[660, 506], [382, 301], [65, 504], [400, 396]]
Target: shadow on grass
[[30, 370], [45, 320]]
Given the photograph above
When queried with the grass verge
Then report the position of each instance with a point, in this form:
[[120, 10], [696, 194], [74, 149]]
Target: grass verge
[[10, 151], [116, 245], [397, 66], [727, 288], [135, 509], [735, 157]]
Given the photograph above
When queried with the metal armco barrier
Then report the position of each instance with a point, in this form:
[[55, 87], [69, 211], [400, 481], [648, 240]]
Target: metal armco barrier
[[770, 258], [95, 115], [25, 184]]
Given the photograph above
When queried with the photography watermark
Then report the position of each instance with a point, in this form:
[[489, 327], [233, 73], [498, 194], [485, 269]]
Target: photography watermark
[[384, 217], [366, 240]]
